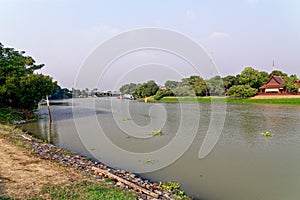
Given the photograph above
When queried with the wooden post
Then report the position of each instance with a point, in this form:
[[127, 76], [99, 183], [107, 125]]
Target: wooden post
[[49, 111], [126, 182]]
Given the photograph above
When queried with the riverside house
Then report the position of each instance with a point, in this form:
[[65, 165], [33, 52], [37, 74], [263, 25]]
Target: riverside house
[[297, 83], [274, 85]]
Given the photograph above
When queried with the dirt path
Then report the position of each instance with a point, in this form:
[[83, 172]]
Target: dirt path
[[275, 96], [22, 175]]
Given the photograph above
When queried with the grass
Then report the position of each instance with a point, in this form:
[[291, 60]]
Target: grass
[[286, 101], [4, 198], [82, 190], [7, 116], [85, 190]]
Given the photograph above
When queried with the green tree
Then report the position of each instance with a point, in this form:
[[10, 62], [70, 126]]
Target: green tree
[[251, 77], [264, 76], [163, 93], [146, 89], [278, 73], [198, 84], [184, 90], [242, 91], [229, 81], [171, 84], [215, 85], [61, 93], [20, 87], [289, 84], [128, 88]]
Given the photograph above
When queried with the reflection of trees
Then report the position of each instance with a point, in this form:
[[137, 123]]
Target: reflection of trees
[[48, 131], [43, 129]]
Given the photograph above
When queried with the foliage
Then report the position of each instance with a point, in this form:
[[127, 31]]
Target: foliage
[[4, 198], [242, 85], [229, 81], [171, 84], [157, 133], [7, 116], [163, 93], [146, 89], [173, 187], [20, 87], [267, 134], [61, 93], [289, 84], [251, 77], [242, 91], [278, 73], [128, 88], [215, 86], [85, 190], [183, 91]]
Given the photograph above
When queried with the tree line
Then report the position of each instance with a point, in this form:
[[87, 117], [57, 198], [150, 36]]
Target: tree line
[[21, 87], [246, 84]]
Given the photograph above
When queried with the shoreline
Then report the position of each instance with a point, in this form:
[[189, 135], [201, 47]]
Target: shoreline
[[293, 100], [142, 188]]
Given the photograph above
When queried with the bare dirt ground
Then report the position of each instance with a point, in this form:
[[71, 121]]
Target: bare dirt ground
[[275, 96], [22, 175]]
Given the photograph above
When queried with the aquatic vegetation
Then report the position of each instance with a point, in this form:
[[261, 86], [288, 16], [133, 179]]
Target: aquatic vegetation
[[157, 133], [148, 161], [127, 119], [267, 134], [173, 187]]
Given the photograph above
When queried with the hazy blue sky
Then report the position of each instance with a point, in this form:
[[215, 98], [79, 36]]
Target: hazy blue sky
[[236, 33]]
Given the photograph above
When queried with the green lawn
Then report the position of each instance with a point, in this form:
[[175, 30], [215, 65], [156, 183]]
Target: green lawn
[[287, 101]]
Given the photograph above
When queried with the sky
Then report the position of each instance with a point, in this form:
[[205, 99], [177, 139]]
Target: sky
[[62, 34]]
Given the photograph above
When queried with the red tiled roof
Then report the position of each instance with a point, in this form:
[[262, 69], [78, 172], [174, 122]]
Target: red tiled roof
[[278, 83], [279, 79]]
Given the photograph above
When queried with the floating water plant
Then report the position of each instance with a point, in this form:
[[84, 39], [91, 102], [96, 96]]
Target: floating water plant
[[148, 161], [267, 134], [127, 119], [157, 133]]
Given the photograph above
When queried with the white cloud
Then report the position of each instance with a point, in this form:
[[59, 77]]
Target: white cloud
[[214, 35]]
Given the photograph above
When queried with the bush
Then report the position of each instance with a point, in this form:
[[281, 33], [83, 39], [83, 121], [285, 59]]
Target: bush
[[242, 91]]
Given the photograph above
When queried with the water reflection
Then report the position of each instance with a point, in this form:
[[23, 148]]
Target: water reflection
[[243, 164]]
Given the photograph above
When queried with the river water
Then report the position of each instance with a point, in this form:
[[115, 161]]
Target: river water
[[242, 165]]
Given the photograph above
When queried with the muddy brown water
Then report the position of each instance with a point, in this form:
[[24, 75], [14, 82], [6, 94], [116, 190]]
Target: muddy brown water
[[242, 165]]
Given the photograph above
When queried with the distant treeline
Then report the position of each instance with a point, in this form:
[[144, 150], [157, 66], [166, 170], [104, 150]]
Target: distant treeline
[[65, 93], [245, 84]]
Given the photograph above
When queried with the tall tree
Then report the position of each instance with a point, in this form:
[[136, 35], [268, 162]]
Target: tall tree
[[128, 88], [251, 77], [146, 89], [20, 87], [215, 85], [230, 81]]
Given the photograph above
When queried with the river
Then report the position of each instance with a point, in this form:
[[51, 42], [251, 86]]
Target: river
[[242, 165]]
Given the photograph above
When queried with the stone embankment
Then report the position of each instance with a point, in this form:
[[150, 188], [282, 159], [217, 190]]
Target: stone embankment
[[120, 178]]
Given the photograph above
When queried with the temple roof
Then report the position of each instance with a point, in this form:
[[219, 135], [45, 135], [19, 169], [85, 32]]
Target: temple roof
[[273, 82]]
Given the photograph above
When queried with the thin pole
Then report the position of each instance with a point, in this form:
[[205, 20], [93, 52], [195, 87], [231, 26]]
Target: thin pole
[[49, 111]]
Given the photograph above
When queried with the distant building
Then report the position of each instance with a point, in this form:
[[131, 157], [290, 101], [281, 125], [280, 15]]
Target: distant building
[[274, 85], [162, 87], [297, 83]]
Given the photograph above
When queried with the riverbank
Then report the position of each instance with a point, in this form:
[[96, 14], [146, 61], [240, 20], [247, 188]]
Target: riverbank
[[286, 100], [31, 169]]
